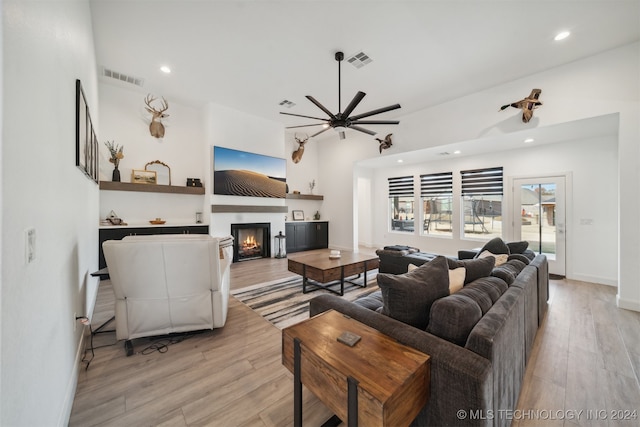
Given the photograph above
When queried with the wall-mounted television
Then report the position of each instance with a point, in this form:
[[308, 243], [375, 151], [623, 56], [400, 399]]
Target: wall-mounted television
[[240, 173]]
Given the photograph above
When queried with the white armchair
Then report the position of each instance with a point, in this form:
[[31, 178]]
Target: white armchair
[[168, 283]]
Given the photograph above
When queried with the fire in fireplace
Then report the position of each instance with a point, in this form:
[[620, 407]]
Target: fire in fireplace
[[251, 241]]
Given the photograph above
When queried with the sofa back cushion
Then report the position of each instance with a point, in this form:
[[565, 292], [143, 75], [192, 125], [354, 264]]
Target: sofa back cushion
[[452, 318], [408, 297]]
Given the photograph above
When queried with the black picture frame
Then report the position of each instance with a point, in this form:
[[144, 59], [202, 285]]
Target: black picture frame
[[86, 140], [298, 215]]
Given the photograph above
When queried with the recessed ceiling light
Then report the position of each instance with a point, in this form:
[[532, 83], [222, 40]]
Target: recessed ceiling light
[[528, 140], [562, 35], [400, 160], [165, 69], [457, 152]]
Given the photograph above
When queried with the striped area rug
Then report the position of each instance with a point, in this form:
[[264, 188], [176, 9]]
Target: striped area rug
[[282, 302]]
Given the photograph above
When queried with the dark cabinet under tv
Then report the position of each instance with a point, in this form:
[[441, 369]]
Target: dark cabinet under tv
[[307, 235], [117, 233]]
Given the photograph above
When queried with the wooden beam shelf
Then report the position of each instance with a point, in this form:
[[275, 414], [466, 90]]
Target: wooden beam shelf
[[150, 188], [247, 208], [304, 196]]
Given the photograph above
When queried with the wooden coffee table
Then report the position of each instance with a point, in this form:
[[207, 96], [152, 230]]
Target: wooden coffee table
[[325, 272], [377, 382]]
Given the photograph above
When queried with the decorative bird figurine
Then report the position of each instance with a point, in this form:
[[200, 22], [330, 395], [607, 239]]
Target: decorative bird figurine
[[527, 105], [385, 143]]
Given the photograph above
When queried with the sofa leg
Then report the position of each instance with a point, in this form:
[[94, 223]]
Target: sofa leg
[[128, 347]]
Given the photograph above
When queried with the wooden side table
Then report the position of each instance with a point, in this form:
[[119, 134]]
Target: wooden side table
[[377, 382]]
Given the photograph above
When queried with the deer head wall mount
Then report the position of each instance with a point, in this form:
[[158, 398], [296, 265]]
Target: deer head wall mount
[[296, 156], [156, 127]]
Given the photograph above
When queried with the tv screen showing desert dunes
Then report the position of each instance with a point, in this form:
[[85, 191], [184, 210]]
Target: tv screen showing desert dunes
[[240, 173]]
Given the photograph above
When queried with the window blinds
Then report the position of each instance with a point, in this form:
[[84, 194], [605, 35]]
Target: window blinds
[[482, 182], [436, 184], [401, 186]]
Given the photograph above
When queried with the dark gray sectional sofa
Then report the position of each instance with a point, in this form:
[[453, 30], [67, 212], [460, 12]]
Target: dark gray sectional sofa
[[479, 339]]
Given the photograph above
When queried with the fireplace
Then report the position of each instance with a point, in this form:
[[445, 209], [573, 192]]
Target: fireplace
[[251, 241]]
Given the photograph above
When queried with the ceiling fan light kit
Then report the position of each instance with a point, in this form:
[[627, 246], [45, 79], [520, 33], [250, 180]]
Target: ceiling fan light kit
[[343, 120]]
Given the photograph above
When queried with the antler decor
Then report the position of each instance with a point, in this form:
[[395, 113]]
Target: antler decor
[[156, 127], [296, 156]]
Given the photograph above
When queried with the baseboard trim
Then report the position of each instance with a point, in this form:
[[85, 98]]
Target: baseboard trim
[[627, 304], [593, 279], [72, 385]]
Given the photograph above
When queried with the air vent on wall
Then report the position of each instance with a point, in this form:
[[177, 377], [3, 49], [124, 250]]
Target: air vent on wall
[[359, 60], [122, 77]]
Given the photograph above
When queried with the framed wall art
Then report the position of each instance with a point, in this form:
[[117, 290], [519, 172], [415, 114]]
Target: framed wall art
[[86, 140], [298, 215], [144, 176]]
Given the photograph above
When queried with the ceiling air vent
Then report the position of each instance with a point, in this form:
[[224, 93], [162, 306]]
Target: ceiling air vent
[[286, 103], [359, 60], [122, 77]]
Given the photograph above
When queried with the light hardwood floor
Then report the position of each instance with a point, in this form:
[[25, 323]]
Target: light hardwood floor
[[586, 357]]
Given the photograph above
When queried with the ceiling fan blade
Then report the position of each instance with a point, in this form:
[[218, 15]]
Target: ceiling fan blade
[[320, 106], [375, 122], [373, 112], [354, 103], [318, 133], [358, 128], [306, 117], [304, 126]]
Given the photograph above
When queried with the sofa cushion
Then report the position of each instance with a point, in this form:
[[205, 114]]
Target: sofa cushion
[[373, 301], [452, 318], [485, 291], [520, 257], [408, 297], [517, 247], [495, 246], [474, 268]]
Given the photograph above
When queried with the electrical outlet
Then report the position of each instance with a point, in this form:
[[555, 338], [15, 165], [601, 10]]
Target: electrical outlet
[[30, 245]]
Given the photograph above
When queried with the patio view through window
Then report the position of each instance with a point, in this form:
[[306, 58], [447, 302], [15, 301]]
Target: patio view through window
[[401, 204], [436, 191], [538, 210], [482, 202]]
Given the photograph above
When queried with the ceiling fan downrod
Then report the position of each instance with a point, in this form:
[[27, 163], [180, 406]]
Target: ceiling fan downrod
[[339, 57]]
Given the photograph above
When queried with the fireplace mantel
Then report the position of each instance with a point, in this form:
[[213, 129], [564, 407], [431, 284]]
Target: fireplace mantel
[[247, 208]]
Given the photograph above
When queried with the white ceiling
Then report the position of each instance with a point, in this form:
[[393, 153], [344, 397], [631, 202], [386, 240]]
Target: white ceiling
[[250, 55]]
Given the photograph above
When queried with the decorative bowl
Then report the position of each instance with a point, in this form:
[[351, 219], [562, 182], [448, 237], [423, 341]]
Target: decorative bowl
[[157, 221]]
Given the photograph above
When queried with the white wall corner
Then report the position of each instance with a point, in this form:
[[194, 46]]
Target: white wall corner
[[627, 304]]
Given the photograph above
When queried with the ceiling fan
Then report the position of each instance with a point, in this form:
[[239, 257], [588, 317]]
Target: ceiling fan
[[342, 120]]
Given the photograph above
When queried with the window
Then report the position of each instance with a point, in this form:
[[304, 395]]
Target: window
[[436, 191], [482, 202], [401, 204]]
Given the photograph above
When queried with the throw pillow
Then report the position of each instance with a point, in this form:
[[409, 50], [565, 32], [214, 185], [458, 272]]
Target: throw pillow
[[520, 257], [456, 277], [500, 258], [495, 246], [475, 268], [518, 247], [408, 297], [453, 318]]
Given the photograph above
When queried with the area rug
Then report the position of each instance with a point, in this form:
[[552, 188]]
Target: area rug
[[282, 302]]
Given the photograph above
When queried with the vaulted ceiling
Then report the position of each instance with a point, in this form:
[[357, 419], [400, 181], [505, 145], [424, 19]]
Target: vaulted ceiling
[[251, 55]]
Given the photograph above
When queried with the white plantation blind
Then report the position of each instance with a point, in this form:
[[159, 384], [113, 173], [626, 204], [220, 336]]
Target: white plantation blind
[[401, 186], [482, 182], [436, 184]]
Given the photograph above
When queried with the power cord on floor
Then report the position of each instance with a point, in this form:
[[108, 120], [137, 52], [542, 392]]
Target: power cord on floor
[[161, 345], [92, 348]]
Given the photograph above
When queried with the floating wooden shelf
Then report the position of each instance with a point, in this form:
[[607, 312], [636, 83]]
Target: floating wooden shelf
[[304, 196], [247, 208], [149, 188]]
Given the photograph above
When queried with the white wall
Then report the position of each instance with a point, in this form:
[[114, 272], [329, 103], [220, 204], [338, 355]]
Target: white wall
[[230, 128], [124, 120], [47, 46], [599, 85]]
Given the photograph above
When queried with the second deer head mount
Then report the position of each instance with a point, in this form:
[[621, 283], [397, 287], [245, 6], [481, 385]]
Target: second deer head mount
[[156, 127], [296, 156]]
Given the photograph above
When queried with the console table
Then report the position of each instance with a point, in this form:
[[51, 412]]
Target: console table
[[377, 382]]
